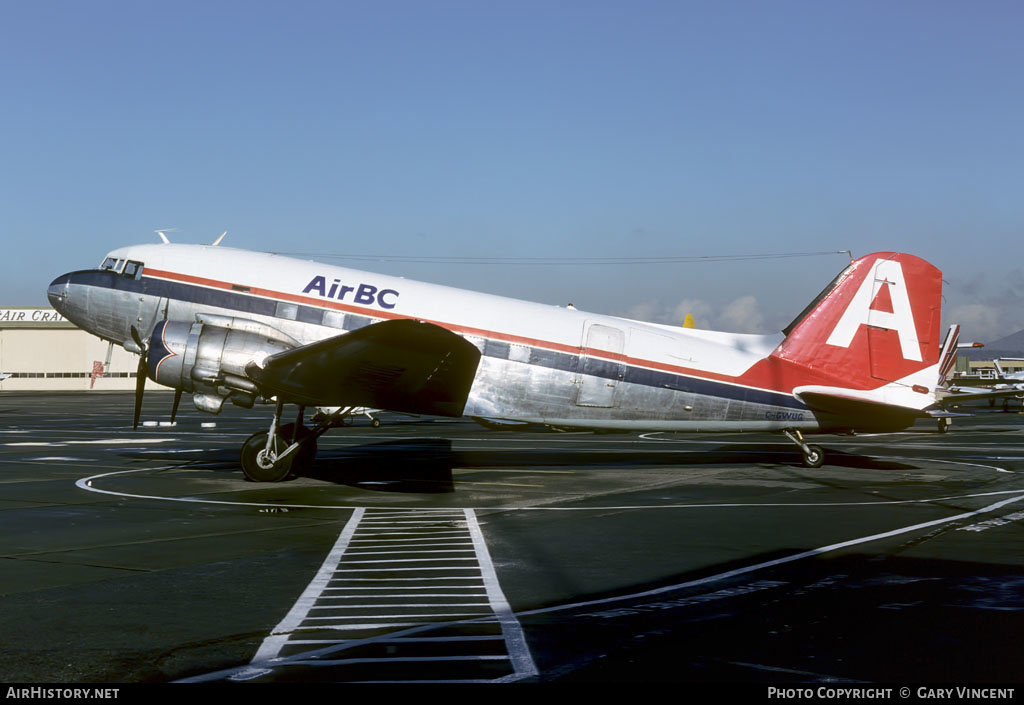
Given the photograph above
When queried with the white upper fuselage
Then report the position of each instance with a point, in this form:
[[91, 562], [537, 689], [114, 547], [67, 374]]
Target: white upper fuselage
[[473, 314], [540, 363]]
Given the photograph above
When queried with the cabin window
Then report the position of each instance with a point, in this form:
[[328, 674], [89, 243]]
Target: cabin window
[[356, 322], [334, 319], [308, 314], [286, 310], [495, 348]]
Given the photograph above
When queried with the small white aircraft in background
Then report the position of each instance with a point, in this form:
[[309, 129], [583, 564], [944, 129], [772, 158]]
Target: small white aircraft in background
[[239, 326], [1001, 386]]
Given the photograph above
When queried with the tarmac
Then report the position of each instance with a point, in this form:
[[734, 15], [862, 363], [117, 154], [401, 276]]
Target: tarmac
[[439, 550]]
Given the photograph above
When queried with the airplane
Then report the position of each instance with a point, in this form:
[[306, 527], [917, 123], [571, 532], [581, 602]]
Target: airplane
[[1003, 386], [230, 325], [999, 378]]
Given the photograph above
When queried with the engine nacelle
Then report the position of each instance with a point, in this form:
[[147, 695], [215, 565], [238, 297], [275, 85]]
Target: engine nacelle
[[208, 358]]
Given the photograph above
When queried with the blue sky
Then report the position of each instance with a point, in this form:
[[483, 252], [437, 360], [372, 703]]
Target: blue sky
[[548, 129]]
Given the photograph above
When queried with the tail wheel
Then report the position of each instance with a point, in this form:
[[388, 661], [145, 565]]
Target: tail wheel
[[814, 456], [260, 466], [375, 423]]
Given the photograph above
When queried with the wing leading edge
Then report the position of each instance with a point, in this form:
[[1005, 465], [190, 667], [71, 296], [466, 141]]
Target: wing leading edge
[[400, 365]]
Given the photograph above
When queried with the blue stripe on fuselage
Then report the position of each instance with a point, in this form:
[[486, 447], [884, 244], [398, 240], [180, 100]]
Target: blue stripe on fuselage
[[542, 357]]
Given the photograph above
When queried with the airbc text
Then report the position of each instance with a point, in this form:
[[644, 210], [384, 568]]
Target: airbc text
[[363, 294]]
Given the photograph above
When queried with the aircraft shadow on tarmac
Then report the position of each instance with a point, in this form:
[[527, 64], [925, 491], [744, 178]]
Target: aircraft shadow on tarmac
[[424, 465], [856, 617]]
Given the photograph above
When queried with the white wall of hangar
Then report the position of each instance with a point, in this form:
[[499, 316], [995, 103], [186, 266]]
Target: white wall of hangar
[[42, 351]]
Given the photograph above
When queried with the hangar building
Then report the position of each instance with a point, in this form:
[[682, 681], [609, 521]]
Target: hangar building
[[42, 351]]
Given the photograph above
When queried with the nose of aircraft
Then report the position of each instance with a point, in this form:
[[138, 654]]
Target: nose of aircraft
[[57, 292]]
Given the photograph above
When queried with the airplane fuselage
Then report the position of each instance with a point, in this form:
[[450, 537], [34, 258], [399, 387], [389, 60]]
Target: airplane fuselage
[[539, 363]]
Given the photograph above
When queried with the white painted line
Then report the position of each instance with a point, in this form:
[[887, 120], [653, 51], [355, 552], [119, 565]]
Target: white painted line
[[401, 604], [397, 659], [411, 560], [402, 596], [84, 484], [522, 660], [272, 645], [428, 615], [779, 561], [413, 587], [391, 580], [402, 570], [63, 459], [406, 552], [371, 543]]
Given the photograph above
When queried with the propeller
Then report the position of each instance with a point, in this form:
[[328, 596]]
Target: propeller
[[140, 377], [177, 398], [140, 381]]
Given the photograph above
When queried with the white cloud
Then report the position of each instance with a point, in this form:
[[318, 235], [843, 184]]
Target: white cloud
[[742, 315]]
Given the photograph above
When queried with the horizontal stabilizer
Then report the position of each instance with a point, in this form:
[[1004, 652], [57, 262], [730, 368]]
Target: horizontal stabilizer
[[851, 411], [400, 365]]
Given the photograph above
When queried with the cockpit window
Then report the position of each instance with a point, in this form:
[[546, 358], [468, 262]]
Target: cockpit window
[[132, 269], [126, 268]]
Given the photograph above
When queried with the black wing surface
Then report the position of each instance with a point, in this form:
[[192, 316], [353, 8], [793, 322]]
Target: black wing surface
[[401, 365]]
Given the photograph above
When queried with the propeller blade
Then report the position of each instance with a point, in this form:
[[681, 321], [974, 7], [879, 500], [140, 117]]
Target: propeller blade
[[177, 398], [138, 338], [140, 387], [140, 376]]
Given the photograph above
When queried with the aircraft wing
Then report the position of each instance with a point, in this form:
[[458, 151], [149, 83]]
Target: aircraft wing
[[400, 365], [955, 395]]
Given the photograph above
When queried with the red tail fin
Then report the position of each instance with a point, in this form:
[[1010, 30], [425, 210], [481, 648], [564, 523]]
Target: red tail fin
[[877, 322]]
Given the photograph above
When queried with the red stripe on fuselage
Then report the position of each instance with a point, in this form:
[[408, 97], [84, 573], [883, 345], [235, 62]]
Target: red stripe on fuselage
[[767, 374]]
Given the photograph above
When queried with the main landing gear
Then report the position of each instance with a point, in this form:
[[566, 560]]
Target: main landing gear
[[814, 456], [271, 456]]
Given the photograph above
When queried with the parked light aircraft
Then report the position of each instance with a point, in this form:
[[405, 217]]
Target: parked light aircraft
[[1001, 386], [232, 325]]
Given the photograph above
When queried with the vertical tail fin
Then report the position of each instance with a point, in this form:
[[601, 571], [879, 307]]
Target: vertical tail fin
[[947, 358], [876, 323]]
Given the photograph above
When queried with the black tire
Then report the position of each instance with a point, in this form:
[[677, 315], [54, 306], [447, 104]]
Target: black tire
[[254, 472], [375, 423], [814, 457], [944, 425]]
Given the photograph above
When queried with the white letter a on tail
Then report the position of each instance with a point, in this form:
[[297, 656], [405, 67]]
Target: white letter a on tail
[[884, 274]]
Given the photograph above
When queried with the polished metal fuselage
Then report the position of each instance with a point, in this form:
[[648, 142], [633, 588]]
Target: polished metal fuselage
[[541, 364]]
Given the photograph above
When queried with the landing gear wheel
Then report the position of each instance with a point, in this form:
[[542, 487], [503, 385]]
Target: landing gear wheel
[[258, 466], [375, 423], [814, 457], [307, 453], [944, 425]]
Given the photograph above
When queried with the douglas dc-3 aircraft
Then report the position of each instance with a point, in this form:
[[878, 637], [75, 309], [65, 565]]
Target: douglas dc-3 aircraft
[[239, 326]]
